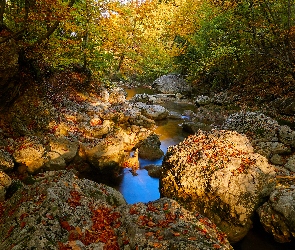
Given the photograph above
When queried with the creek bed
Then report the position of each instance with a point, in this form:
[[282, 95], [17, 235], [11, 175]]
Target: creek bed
[[143, 188]]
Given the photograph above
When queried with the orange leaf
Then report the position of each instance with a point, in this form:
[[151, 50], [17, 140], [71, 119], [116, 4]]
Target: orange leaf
[[148, 234], [176, 234], [192, 238]]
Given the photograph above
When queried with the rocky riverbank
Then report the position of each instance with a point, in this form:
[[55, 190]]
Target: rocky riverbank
[[239, 163], [68, 128]]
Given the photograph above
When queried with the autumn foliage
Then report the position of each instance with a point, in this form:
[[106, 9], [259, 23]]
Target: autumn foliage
[[220, 43]]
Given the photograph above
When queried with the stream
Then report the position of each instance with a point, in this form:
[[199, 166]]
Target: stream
[[143, 188]]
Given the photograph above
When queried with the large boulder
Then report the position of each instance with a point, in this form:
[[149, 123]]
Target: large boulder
[[218, 174], [277, 215], [171, 84], [60, 211], [164, 224]]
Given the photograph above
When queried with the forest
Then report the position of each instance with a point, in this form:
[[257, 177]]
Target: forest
[[216, 42]]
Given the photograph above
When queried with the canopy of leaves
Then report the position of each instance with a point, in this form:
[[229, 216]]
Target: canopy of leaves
[[212, 41]]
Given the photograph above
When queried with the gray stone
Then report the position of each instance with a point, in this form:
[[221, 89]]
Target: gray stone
[[277, 160], [6, 161], [287, 135], [255, 124], [267, 149], [202, 100], [291, 163], [154, 171], [277, 215], [62, 211], [171, 84]]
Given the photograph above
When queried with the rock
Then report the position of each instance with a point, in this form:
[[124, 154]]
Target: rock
[[164, 224], [285, 107], [277, 215], [150, 148], [202, 100], [154, 171], [117, 95], [291, 163], [142, 121], [155, 112], [254, 124], [6, 161], [287, 135], [97, 131], [277, 159], [66, 148], [218, 174], [171, 84], [193, 127], [55, 161], [144, 98], [5, 182], [175, 115], [60, 211], [106, 155], [268, 149], [30, 152]]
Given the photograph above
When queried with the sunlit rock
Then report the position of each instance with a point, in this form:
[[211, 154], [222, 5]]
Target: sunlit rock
[[30, 152], [106, 155], [65, 147], [55, 161], [117, 95], [218, 174]]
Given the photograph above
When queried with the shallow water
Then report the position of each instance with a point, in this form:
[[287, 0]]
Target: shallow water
[[143, 188]]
